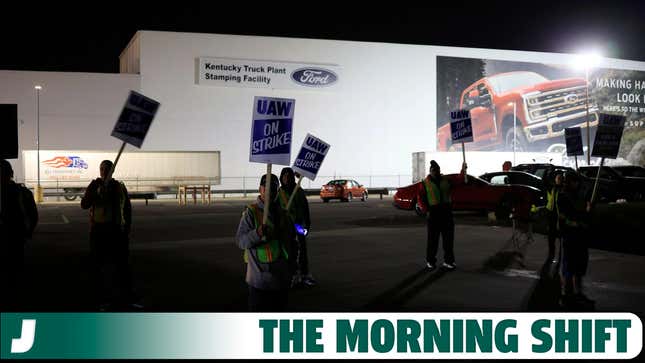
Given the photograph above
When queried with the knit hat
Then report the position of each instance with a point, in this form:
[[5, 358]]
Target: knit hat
[[291, 177], [274, 181]]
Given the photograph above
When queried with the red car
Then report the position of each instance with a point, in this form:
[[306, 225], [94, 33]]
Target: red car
[[344, 189], [479, 195]]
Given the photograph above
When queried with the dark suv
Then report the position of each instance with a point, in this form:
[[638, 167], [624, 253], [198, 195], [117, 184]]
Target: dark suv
[[541, 169], [607, 189], [626, 187]]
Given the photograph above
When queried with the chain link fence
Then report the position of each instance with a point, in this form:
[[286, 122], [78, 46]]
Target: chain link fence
[[225, 186]]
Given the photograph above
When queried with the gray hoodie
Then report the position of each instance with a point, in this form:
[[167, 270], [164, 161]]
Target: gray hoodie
[[263, 276]]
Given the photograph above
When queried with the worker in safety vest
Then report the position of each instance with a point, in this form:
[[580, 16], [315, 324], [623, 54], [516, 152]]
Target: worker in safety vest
[[265, 251], [110, 223], [574, 213], [553, 190], [433, 198], [299, 215]]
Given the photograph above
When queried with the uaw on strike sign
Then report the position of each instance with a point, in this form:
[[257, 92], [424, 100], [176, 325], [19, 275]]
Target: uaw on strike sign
[[271, 130], [310, 157], [135, 119], [461, 128]]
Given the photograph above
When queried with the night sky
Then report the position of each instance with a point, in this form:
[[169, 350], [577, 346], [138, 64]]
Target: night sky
[[75, 37]]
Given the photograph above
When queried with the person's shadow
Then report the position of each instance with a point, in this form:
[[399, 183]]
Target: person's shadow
[[545, 295], [394, 298]]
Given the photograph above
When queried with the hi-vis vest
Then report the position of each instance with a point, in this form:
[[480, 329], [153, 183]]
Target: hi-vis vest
[[283, 197], [272, 249], [552, 199], [104, 211], [437, 193]]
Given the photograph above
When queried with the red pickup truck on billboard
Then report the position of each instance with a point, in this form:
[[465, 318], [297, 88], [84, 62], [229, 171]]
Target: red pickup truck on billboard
[[543, 109]]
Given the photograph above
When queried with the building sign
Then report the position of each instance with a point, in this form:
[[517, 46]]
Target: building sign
[[310, 157], [271, 130], [226, 72]]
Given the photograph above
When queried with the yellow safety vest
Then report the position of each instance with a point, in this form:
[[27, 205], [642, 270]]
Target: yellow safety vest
[[283, 197], [552, 199], [271, 250], [437, 193]]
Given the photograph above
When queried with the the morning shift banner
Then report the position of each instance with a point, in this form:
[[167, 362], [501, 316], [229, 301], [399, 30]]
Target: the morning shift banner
[[321, 335]]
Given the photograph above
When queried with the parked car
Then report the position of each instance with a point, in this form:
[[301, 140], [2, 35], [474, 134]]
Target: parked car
[[607, 189], [541, 169], [625, 187], [514, 177], [479, 195], [630, 170], [344, 189]]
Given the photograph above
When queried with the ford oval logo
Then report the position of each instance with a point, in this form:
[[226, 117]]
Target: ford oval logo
[[572, 98], [314, 77]]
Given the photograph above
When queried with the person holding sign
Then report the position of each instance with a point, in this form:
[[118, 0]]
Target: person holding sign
[[433, 196], [298, 213], [110, 224], [574, 208], [265, 248]]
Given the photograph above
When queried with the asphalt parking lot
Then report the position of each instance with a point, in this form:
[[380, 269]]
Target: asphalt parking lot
[[366, 256]]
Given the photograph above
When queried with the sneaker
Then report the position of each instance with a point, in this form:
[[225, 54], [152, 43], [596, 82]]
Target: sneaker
[[430, 266], [309, 281], [450, 265]]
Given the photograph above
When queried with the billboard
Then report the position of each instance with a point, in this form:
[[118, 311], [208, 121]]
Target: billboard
[[541, 100]]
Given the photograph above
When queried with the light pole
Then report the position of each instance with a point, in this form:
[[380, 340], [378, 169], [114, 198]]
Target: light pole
[[587, 61], [39, 190], [587, 111], [514, 128]]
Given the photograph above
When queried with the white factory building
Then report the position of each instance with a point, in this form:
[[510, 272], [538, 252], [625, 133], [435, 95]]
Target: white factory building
[[375, 103]]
